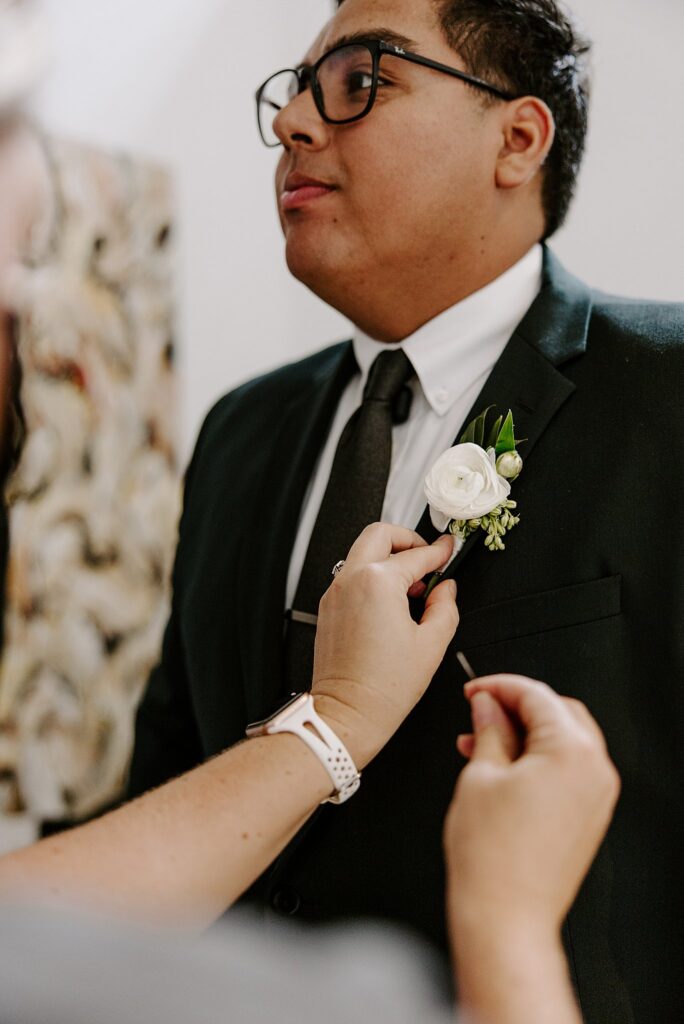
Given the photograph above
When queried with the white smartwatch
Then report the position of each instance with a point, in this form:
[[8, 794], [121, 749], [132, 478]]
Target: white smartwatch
[[299, 716]]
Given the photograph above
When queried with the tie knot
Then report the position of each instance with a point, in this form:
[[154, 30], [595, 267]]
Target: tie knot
[[389, 373]]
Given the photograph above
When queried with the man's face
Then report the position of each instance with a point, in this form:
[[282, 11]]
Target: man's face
[[413, 181]]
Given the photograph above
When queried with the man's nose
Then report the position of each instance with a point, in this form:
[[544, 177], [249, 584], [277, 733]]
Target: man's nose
[[299, 124]]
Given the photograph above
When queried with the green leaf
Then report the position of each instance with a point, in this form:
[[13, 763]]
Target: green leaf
[[494, 433], [480, 428], [468, 435], [475, 431], [506, 439]]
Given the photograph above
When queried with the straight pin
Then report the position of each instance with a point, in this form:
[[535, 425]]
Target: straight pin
[[465, 665]]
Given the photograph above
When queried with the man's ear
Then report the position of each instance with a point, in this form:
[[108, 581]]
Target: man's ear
[[528, 134]]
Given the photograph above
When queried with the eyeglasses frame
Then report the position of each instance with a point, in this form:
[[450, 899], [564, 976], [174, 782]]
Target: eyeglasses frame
[[308, 74]]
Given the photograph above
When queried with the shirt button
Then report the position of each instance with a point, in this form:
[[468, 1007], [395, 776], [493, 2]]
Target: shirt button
[[441, 396], [286, 901]]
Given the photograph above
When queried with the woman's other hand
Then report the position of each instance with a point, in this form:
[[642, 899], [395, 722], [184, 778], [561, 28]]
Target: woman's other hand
[[530, 809]]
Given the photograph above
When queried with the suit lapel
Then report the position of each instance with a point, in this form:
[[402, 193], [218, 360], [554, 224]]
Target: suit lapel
[[267, 544], [526, 378]]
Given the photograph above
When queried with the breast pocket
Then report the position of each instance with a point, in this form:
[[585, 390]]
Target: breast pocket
[[540, 613]]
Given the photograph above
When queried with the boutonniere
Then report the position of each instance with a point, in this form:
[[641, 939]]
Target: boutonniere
[[469, 485]]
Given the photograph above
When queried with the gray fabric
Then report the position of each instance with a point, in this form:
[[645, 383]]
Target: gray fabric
[[60, 969]]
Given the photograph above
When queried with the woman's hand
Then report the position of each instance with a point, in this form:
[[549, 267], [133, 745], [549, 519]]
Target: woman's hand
[[530, 809], [372, 661], [182, 853]]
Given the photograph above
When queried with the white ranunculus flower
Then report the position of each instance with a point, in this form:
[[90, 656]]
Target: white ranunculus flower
[[464, 484]]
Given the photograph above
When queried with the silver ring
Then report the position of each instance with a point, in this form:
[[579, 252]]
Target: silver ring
[[337, 567]]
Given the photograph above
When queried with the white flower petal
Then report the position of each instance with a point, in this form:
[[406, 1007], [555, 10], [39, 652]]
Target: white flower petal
[[464, 484], [440, 521]]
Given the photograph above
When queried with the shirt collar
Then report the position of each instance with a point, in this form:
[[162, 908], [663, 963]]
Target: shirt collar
[[454, 349]]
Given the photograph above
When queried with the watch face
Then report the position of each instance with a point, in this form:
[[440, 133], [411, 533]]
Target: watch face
[[258, 728]]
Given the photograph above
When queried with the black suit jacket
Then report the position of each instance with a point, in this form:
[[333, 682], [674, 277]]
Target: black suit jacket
[[588, 595]]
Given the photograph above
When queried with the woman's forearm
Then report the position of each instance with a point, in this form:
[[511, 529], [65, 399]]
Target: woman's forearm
[[185, 852], [182, 853]]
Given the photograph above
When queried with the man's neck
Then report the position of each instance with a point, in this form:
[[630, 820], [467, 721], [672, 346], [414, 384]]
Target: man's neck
[[397, 305]]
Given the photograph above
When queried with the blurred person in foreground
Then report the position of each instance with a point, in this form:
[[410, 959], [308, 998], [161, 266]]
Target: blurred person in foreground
[[429, 151]]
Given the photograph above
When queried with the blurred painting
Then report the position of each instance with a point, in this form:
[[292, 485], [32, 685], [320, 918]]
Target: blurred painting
[[94, 499]]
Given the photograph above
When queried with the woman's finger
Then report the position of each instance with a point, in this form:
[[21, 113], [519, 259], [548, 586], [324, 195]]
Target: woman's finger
[[378, 541], [417, 562], [465, 744], [583, 716], [490, 723], [533, 702], [417, 589], [509, 736], [440, 617]]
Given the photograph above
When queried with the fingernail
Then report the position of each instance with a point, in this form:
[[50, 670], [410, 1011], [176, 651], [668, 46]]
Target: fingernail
[[452, 586], [483, 709]]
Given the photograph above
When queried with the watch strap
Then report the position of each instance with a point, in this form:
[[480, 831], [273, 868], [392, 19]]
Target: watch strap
[[302, 719]]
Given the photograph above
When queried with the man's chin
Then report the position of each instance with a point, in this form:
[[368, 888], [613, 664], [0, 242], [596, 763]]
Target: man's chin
[[310, 264]]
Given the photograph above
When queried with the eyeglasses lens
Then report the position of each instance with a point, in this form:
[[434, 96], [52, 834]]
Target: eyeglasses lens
[[276, 94], [345, 79]]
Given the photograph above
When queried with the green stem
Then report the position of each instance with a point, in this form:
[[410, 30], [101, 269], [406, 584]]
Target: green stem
[[432, 583]]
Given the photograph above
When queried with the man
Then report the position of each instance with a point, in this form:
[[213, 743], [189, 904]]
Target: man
[[183, 853], [414, 201]]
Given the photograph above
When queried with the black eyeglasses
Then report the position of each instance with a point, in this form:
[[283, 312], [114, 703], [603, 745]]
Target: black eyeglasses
[[344, 83]]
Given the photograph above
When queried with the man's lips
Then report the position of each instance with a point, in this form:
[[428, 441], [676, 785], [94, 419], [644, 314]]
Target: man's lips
[[299, 191]]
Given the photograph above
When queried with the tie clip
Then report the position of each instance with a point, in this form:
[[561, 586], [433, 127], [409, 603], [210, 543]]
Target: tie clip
[[295, 616]]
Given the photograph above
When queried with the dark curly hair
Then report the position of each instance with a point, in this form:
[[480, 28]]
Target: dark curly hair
[[530, 47]]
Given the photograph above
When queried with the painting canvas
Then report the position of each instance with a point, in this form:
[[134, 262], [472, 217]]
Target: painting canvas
[[94, 499]]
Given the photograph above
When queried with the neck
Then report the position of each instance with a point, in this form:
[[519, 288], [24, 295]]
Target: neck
[[392, 306]]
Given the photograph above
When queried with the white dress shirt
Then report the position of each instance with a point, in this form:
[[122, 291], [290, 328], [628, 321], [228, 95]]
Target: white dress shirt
[[452, 355]]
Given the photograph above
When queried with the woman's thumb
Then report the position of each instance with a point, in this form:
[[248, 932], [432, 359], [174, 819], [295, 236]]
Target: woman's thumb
[[493, 730]]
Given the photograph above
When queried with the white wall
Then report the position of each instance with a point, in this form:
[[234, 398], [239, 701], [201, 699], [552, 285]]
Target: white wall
[[174, 80]]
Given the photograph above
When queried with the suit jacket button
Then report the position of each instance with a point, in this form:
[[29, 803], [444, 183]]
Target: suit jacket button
[[286, 901]]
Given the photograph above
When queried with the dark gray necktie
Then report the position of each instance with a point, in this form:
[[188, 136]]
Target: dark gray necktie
[[353, 498]]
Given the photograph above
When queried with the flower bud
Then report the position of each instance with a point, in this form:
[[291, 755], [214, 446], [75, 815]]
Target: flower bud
[[509, 465]]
